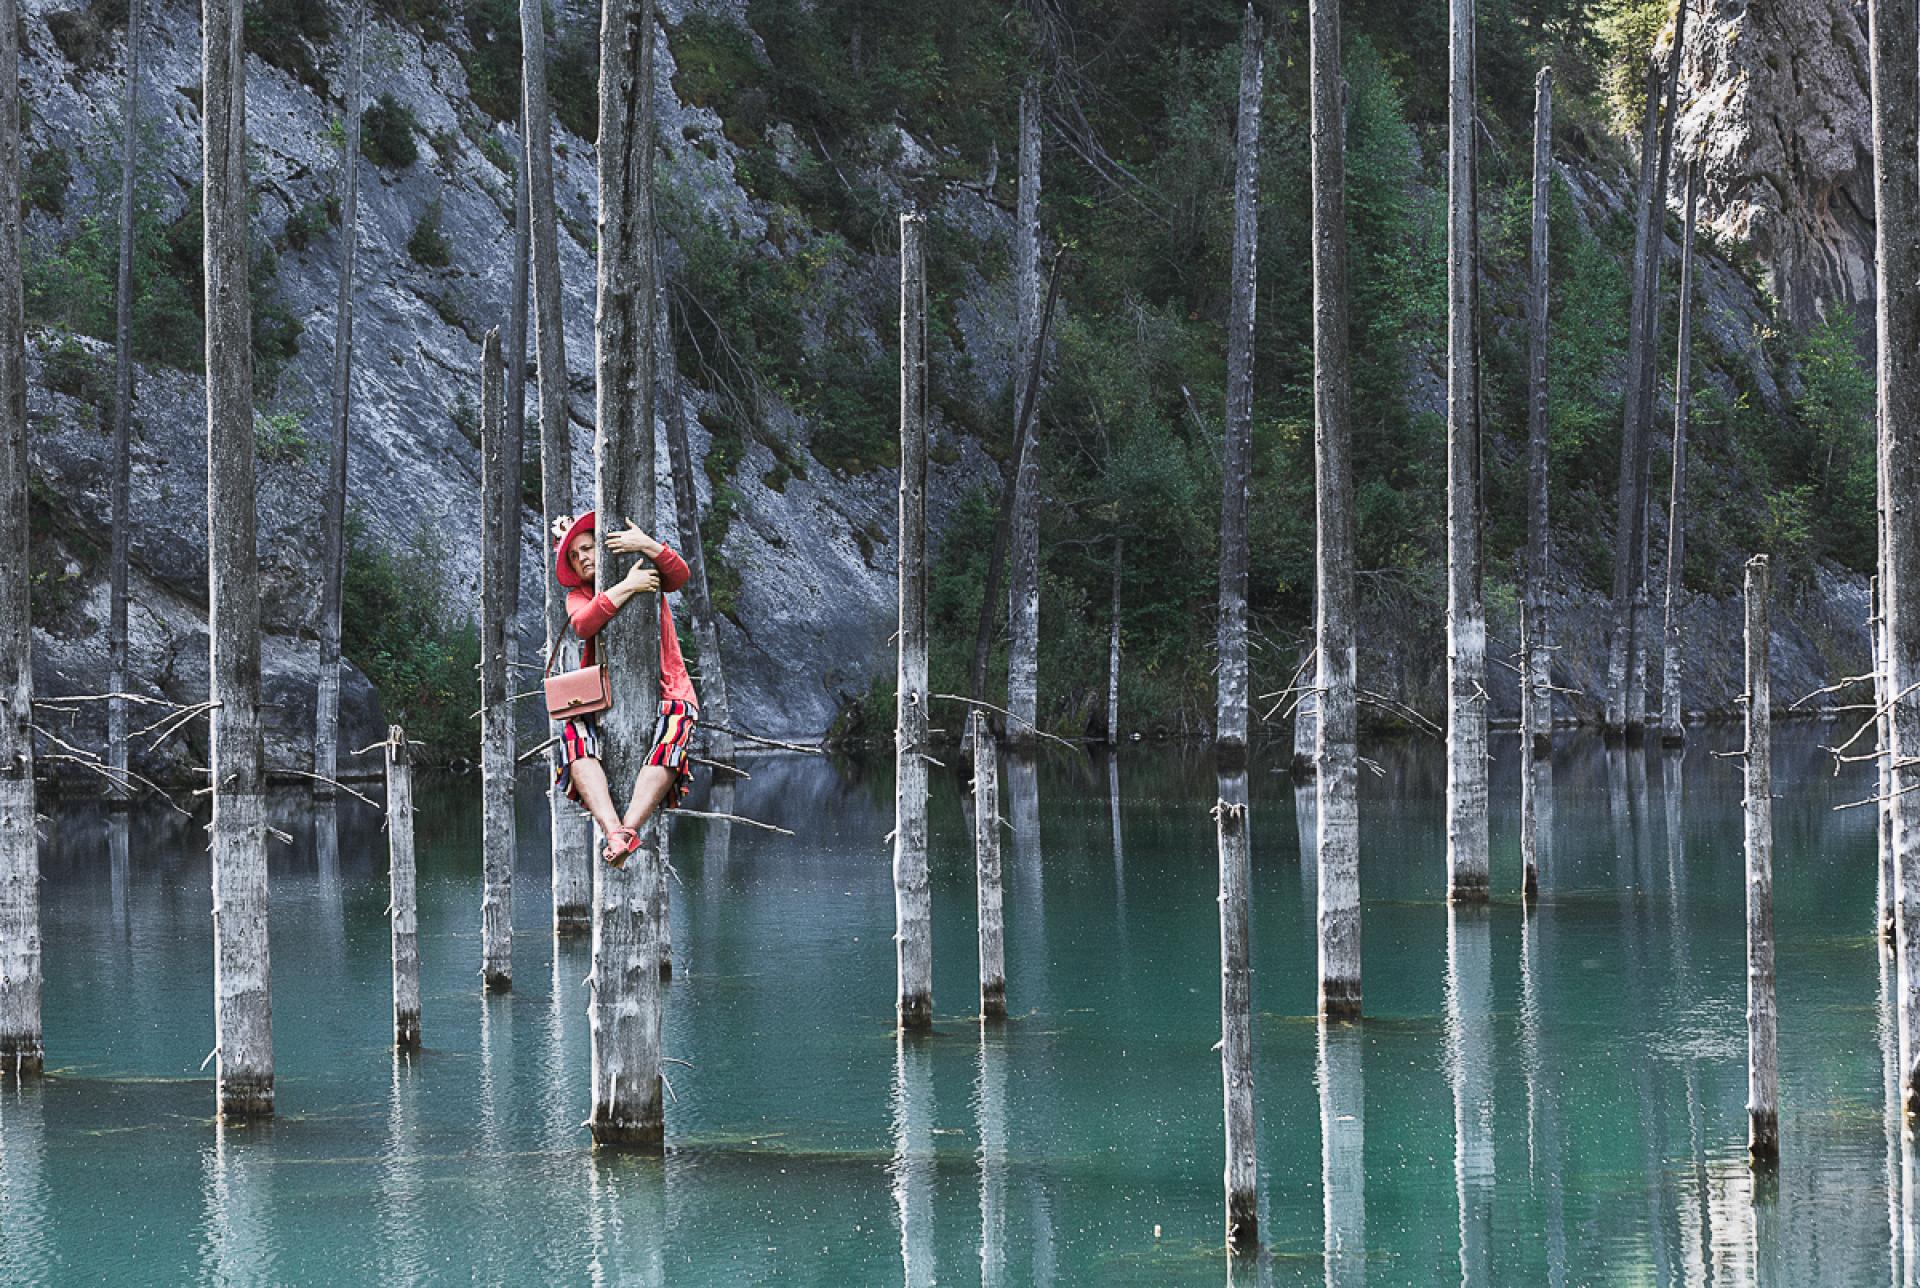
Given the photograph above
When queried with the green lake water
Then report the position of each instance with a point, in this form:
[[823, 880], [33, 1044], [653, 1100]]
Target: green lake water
[[1553, 1098]]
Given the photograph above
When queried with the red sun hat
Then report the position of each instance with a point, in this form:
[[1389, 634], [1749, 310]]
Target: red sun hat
[[562, 566]]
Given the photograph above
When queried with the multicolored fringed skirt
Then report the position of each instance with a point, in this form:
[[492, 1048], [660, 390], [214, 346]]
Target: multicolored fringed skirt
[[672, 734]]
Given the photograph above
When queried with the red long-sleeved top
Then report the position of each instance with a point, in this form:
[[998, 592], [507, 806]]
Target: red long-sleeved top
[[588, 612]]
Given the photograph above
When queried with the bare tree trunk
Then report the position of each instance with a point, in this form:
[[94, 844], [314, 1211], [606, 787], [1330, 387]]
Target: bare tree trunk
[[1536, 642], [1337, 805], [1466, 611], [1895, 62], [513, 350], [572, 830], [1023, 587], [123, 418], [333, 571], [624, 1006], [21, 1050], [1113, 652], [406, 921], [1236, 1013], [242, 978], [1763, 1077], [1648, 367], [986, 855], [496, 711], [1672, 732], [1632, 436], [698, 596], [1236, 468], [912, 898]]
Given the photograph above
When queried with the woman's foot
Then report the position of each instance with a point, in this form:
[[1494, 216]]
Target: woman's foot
[[621, 842]]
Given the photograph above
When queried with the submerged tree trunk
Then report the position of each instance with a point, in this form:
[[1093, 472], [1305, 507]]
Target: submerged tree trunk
[[714, 709], [912, 898], [986, 854], [572, 830], [333, 571], [1236, 468], [1895, 62], [496, 712], [1672, 732], [243, 999], [624, 1003], [401, 877], [1763, 1078], [21, 1051], [123, 419], [1023, 587], [1466, 613], [1236, 1012], [1337, 806], [1536, 641]]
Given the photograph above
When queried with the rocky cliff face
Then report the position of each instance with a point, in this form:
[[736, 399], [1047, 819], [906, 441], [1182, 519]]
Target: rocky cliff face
[[1776, 103]]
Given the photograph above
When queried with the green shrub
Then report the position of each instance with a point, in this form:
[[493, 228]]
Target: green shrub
[[492, 59], [308, 224], [73, 369], [386, 134], [280, 438], [286, 32], [44, 186], [428, 247]]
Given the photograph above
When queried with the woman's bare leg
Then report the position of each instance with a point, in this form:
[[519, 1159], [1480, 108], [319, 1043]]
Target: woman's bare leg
[[649, 789], [590, 781]]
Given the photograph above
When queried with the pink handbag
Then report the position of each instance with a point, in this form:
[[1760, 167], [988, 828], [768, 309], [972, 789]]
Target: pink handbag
[[583, 692]]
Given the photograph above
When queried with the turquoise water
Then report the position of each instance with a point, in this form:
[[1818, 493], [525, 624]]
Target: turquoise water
[[1554, 1098]]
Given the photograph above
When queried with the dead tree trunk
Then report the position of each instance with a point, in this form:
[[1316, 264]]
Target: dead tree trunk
[[21, 1050], [496, 711], [1236, 465], [1763, 1077], [1536, 642], [1466, 612], [1632, 435], [123, 419], [1023, 587], [1337, 765], [1113, 652], [326, 707], [1672, 732], [572, 831], [401, 877], [986, 855], [513, 350], [697, 594], [243, 1002], [1895, 64], [1236, 1013], [624, 1006], [912, 898]]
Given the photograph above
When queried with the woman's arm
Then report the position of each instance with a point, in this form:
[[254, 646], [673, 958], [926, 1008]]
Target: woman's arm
[[588, 612], [632, 541]]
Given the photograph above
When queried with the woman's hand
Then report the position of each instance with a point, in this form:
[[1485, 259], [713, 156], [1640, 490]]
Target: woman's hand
[[632, 541], [641, 579]]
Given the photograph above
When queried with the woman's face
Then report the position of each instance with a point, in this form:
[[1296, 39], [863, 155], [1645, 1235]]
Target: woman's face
[[583, 557]]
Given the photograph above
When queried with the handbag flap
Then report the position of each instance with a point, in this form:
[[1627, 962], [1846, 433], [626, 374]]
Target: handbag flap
[[580, 692]]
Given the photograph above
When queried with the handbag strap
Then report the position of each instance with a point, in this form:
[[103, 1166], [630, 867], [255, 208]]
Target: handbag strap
[[553, 654]]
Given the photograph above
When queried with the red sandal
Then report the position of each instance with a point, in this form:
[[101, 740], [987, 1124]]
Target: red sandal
[[616, 851]]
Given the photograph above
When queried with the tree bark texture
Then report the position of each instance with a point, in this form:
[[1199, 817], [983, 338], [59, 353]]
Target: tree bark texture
[[21, 1050], [912, 896], [401, 877], [496, 712], [1023, 586], [1236, 1012], [1236, 463], [1337, 765], [572, 830], [1536, 692], [1893, 33], [1672, 730], [333, 570], [122, 418], [697, 593], [513, 349], [986, 856], [1466, 611], [1113, 650], [624, 994], [1632, 434], [242, 977], [1763, 1021]]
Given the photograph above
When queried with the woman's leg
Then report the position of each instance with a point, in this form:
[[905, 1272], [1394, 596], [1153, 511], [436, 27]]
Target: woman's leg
[[649, 789], [590, 783]]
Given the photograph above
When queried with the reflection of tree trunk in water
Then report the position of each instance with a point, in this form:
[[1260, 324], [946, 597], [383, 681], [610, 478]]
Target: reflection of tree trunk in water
[[23, 1155], [326, 857], [1029, 871], [402, 1234], [1543, 1096], [117, 872], [911, 1172], [1632, 891], [1343, 1164], [1886, 1032], [990, 1104], [238, 1241], [1700, 1229], [1119, 849], [1470, 1071], [1306, 821], [1236, 1013], [719, 839]]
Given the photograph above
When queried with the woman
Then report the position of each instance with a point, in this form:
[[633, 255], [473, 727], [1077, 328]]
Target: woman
[[665, 771]]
